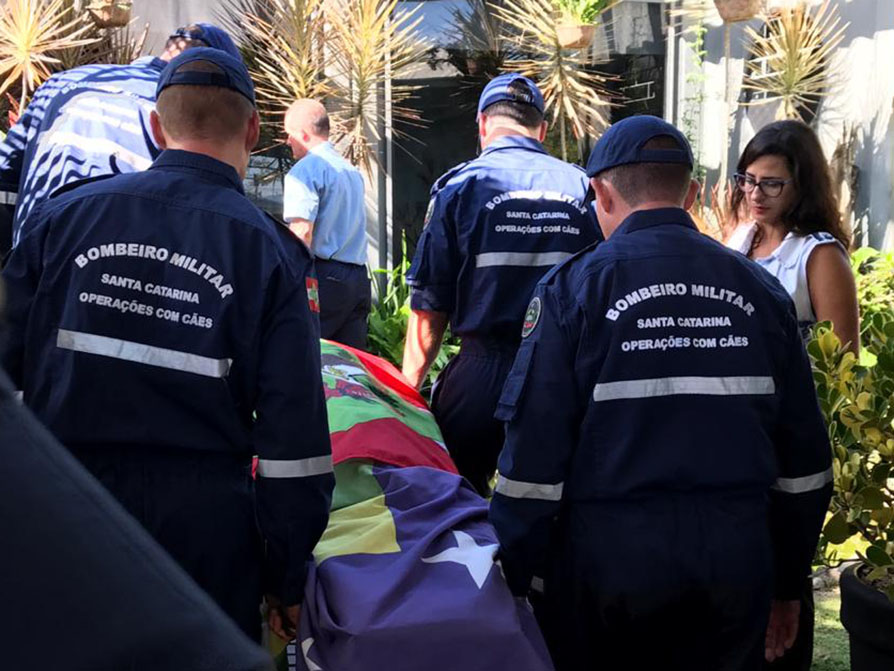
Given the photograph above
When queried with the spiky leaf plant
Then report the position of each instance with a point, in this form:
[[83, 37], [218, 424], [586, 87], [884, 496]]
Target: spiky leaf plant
[[283, 48], [373, 42], [791, 56], [575, 94], [32, 35]]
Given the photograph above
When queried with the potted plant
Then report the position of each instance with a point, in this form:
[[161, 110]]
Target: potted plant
[[858, 402], [110, 13], [576, 23], [737, 10]]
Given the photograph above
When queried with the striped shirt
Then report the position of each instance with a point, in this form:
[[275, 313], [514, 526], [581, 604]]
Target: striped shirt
[[82, 123]]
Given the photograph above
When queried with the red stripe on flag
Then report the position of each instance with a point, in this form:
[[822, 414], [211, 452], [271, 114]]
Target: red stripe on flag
[[389, 441]]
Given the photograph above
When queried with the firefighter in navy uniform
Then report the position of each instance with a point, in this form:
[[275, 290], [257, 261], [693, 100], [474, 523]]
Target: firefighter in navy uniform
[[495, 226], [159, 326], [666, 468]]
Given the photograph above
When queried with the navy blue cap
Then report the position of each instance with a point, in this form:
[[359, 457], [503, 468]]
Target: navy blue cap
[[497, 90], [232, 74], [214, 37], [622, 144]]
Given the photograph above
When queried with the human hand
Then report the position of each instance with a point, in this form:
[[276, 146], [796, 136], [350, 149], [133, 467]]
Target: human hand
[[782, 629], [282, 620]]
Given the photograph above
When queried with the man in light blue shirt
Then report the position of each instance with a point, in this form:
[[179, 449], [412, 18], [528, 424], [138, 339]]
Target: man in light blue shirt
[[323, 203]]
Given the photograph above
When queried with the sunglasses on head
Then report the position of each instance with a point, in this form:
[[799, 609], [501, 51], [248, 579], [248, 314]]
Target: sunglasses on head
[[192, 35]]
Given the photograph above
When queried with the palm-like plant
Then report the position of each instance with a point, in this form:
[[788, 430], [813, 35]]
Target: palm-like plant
[[575, 95], [282, 45], [374, 41], [340, 52], [791, 57], [32, 34]]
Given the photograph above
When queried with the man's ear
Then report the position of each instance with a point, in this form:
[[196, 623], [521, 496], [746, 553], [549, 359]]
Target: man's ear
[[482, 125], [691, 194], [544, 126], [253, 131], [604, 195], [158, 132]]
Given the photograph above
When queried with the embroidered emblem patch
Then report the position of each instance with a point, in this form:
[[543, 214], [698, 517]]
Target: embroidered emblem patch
[[532, 316], [313, 293]]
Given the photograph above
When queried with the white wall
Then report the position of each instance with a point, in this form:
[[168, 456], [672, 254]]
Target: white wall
[[862, 94]]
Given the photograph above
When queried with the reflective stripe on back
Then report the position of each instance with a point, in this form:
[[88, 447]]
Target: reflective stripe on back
[[128, 350], [675, 386], [525, 259]]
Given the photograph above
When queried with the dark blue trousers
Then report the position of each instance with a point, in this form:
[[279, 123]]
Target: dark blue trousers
[[464, 401], [200, 508], [344, 302], [675, 584]]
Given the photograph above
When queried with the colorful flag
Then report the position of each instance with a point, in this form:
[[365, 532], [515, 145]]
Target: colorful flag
[[404, 576]]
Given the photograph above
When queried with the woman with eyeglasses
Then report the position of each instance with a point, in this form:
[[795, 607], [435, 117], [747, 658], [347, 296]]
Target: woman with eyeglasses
[[788, 222]]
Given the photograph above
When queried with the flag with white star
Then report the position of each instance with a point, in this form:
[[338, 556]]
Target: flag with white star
[[404, 576]]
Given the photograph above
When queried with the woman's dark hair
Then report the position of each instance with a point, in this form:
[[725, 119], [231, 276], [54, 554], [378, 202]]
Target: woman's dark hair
[[816, 207]]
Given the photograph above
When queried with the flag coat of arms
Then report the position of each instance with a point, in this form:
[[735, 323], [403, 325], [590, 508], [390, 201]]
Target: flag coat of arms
[[404, 576]]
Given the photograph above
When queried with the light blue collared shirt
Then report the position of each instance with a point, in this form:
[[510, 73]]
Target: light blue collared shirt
[[328, 191]]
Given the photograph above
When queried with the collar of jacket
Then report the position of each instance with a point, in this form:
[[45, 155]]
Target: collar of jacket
[[178, 160], [659, 217], [153, 62], [514, 142]]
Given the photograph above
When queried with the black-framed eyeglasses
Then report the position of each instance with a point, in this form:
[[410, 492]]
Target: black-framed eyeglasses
[[771, 188]]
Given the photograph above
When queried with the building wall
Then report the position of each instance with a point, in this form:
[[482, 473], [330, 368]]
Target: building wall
[[861, 95]]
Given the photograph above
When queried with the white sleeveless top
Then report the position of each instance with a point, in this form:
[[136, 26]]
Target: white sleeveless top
[[788, 263]]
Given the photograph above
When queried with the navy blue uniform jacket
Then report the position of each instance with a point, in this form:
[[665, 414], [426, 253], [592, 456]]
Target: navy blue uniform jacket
[[495, 226], [661, 366], [163, 310]]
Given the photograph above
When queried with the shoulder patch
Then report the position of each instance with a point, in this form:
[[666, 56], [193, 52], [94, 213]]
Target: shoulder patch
[[532, 316]]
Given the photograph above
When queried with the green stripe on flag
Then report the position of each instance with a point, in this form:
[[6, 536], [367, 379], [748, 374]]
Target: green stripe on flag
[[360, 522]]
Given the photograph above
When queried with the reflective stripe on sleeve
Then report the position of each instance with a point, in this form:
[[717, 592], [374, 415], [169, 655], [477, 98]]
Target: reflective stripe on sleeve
[[294, 468], [528, 259], [529, 490], [807, 483], [674, 386], [128, 350]]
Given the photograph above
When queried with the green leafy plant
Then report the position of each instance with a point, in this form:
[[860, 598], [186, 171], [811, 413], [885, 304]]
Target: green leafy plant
[[388, 323], [582, 11], [858, 403], [874, 272]]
